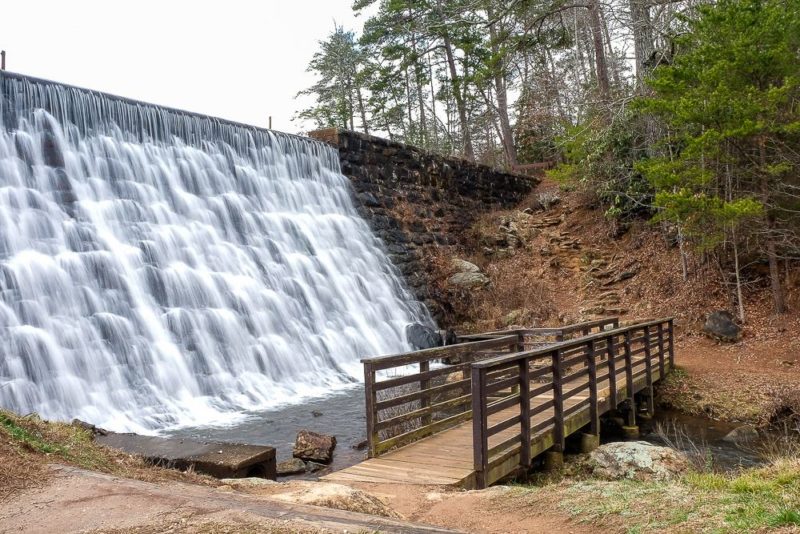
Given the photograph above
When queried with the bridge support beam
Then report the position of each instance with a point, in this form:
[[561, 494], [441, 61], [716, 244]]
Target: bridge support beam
[[589, 442], [553, 461], [630, 432]]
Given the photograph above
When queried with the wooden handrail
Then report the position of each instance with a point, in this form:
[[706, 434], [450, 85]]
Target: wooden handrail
[[551, 400], [419, 402]]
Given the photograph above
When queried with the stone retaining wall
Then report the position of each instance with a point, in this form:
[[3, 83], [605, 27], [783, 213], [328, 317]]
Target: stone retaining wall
[[416, 201]]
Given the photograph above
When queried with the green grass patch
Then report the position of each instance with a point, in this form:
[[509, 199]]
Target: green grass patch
[[751, 500]]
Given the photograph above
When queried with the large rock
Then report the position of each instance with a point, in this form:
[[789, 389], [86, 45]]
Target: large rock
[[421, 337], [313, 446], [468, 280], [720, 325], [637, 460], [337, 496], [464, 266]]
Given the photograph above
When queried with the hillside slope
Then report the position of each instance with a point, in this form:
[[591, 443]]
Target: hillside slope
[[557, 260]]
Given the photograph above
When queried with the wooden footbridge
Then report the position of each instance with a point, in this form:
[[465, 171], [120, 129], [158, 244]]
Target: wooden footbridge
[[472, 413]]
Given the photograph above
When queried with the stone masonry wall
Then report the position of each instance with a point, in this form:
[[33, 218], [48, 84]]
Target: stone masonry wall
[[416, 201]]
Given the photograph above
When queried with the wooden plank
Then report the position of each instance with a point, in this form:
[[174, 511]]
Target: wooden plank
[[371, 412], [460, 385], [416, 377], [422, 412], [525, 413], [400, 360], [558, 402], [480, 440]]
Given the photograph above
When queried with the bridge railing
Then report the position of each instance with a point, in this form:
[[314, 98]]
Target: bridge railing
[[540, 336], [413, 395], [555, 391]]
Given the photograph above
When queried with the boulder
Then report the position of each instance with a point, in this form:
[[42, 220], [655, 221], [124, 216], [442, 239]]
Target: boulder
[[468, 280], [720, 325], [464, 266], [294, 466], [637, 460], [449, 337], [314, 447], [337, 496], [313, 467], [742, 434], [421, 337]]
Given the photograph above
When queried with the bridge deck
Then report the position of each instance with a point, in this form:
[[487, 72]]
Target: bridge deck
[[446, 458]]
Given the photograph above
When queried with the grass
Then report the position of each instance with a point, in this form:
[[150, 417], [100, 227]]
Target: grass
[[28, 444], [752, 500]]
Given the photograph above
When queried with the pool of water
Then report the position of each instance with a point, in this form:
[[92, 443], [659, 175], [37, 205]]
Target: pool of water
[[340, 414], [699, 435]]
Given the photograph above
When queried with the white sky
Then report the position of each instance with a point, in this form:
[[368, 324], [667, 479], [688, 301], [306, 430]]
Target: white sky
[[237, 59]]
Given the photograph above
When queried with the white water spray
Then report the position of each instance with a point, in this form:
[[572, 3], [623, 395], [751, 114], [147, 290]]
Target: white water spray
[[161, 269]]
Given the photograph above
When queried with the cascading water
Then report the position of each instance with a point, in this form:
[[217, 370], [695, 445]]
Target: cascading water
[[161, 269]]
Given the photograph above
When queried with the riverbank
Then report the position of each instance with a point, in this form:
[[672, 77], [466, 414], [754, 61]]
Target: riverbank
[[755, 381]]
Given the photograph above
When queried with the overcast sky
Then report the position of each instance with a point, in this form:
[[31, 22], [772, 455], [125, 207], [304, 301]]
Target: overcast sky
[[236, 59]]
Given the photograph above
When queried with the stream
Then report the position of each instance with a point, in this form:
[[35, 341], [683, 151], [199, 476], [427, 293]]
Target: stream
[[342, 414]]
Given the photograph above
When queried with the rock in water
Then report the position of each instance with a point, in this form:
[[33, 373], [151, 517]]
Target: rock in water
[[421, 337], [720, 325], [742, 434], [314, 447], [637, 460], [291, 467]]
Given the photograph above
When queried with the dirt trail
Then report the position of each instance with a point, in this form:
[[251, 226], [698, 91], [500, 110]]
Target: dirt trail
[[76, 500]]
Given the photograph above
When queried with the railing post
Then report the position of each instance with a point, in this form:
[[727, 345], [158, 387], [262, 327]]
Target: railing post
[[671, 332], [424, 385], [594, 411], [629, 379], [612, 373], [661, 365], [514, 347], [648, 363], [372, 415], [480, 440], [558, 403], [525, 412]]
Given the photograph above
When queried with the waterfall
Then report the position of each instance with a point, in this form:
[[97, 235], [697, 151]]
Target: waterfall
[[162, 269]]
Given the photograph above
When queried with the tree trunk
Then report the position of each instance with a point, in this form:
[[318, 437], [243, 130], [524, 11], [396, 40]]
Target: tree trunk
[[423, 121], [362, 109], [506, 134], [456, 82], [601, 66], [739, 297], [772, 253], [643, 46]]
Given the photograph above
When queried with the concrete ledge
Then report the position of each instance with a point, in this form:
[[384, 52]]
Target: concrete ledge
[[221, 460]]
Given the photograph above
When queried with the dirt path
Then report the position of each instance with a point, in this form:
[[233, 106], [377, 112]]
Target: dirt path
[[76, 500]]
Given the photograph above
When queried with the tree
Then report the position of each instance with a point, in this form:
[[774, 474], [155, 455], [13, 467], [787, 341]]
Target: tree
[[340, 65], [732, 101]]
